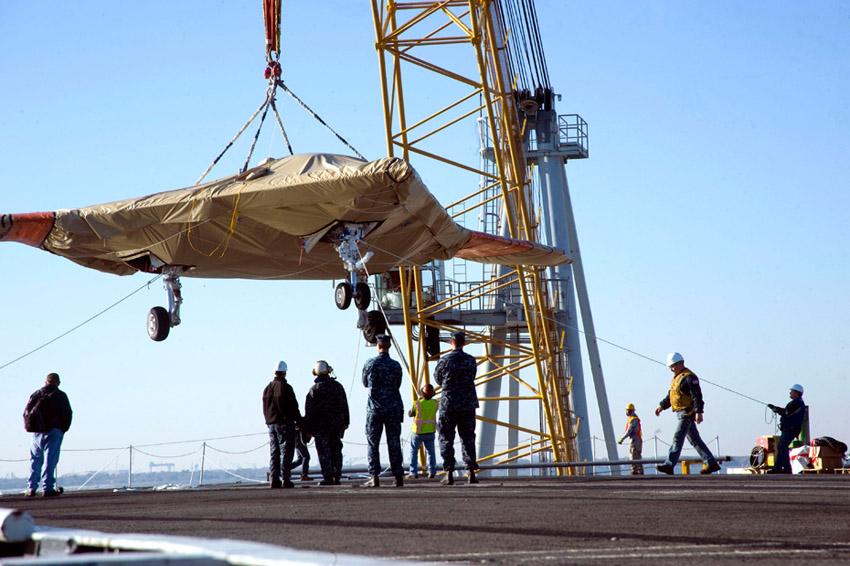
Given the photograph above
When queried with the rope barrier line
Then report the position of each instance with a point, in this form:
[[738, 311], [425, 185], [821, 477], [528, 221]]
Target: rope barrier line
[[201, 440], [172, 443], [263, 445], [115, 304], [166, 457]]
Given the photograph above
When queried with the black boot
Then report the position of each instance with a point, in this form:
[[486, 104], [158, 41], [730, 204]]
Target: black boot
[[399, 480], [276, 483], [471, 477], [449, 479], [374, 481]]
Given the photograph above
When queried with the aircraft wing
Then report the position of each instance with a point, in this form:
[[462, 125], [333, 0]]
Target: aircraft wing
[[276, 221]]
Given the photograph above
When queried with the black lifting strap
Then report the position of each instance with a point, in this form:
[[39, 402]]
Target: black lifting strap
[[279, 83]]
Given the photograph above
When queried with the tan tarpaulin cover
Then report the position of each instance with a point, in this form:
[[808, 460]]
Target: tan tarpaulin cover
[[269, 222]]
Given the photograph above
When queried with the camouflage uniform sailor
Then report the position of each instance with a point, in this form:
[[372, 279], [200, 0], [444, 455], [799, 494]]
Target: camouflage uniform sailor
[[326, 418], [384, 410], [455, 373]]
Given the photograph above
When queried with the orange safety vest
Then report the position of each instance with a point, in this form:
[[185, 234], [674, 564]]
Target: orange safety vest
[[678, 400], [629, 422], [425, 421]]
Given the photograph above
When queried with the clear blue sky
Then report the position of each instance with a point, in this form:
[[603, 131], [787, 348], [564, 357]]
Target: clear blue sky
[[713, 213]]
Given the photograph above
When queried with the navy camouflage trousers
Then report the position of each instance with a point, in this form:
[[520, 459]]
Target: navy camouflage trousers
[[464, 421], [376, 422], [329, 450]]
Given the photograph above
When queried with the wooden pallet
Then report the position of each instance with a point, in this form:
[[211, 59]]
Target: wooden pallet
[[828, 471]]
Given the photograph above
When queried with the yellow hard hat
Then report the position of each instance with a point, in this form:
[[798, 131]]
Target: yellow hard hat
[[630, 407]]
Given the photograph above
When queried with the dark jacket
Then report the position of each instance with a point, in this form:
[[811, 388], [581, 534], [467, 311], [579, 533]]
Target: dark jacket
[[793, 415], [279, 403], [55, 408], [326, 408]]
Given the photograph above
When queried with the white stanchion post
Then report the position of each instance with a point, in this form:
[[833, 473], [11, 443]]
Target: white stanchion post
[[655, 441], [203, 457], [130, 469]]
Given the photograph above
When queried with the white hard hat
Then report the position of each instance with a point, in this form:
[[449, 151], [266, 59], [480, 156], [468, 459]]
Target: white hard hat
[[797, 387], [281, 366], [674, 357]]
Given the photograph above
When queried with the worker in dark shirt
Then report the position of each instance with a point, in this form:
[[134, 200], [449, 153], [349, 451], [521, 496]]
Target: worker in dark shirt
[[685, 397], [790, 423], [48, 416], [280, 408]]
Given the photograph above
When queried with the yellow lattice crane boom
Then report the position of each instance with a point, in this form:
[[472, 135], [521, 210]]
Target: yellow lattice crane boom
[[443, 66]]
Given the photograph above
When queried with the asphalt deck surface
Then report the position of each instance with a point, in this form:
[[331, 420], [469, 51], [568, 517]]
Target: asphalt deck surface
[[718, 519]]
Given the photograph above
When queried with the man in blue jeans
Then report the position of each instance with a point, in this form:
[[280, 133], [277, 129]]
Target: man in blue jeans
[[685, 397], [280, 409], [790, 423], [424, 414], [48, 416]]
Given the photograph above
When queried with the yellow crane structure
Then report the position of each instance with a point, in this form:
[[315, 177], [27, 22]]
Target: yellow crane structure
[[418, 44]]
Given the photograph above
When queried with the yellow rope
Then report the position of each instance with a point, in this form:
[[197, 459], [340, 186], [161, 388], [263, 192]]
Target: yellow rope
[[225, 241]]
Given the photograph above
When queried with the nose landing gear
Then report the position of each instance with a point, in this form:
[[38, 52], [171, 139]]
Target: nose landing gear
[[160, 320]]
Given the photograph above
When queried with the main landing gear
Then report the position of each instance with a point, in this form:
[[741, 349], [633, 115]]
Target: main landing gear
[[372, 323], [359, 292], [160, 320]]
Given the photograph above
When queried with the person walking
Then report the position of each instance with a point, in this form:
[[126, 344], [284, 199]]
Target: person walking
[[424, 414], [790, 424], [455, 373], [280, 408], [326, 418], [685, 397], [48, 416], [303, 458], [384, 411], [634, 433]]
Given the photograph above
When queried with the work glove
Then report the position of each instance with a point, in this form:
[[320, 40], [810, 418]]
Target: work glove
[[772, 408], [620, 441]]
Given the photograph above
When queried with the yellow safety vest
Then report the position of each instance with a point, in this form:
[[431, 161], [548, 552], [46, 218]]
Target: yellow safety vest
[[678, 400], [426, 416], [629, 422]]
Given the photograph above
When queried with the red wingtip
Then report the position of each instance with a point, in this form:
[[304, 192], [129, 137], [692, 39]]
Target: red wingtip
[[31, 228]]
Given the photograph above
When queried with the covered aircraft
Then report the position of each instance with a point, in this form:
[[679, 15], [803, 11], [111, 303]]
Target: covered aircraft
[[308, 216]]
